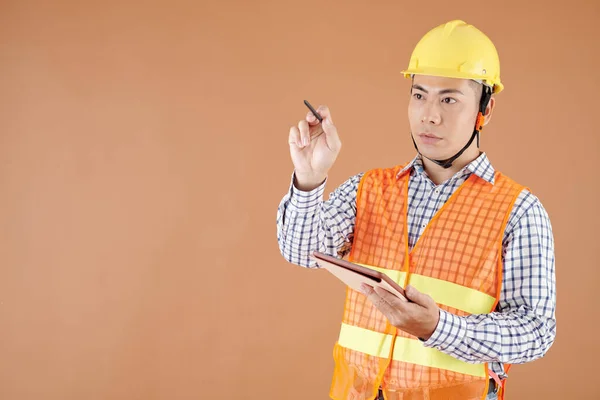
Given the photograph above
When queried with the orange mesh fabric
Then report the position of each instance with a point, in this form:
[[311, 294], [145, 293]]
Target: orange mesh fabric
[[461, 245]]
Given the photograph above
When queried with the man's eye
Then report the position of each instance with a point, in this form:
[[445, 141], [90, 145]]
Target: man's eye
[[449, 100], [418, 96]]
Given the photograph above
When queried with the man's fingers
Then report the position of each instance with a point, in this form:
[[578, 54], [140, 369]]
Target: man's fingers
[[333, 140], [304, 133], [311, 119], [324, 112], [366, 289], [417, 297], [294, 137], [381, 302], [391, 298]]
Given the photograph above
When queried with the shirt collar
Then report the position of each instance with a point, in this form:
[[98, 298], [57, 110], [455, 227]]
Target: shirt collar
[[481, 167]]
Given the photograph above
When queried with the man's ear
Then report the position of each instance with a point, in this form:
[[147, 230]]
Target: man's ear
[[489, 110]]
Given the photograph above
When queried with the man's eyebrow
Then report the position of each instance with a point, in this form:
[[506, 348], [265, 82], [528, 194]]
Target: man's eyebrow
[[443, 91], [419, 87]]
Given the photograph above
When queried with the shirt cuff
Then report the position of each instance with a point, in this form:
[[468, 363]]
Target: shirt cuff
[[302, 201], [449, 333]]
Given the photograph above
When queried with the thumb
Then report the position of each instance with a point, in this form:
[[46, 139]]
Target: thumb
[[417, 297], [333, 140]]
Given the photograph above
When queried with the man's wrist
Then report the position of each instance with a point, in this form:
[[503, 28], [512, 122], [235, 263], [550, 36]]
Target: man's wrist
[[305, 201], [308, 182], [432, 328]]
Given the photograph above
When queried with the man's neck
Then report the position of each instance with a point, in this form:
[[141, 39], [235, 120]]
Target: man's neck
[[439, 174]]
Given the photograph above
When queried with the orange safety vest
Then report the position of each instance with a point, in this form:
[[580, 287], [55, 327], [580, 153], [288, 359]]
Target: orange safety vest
[[457, 261]]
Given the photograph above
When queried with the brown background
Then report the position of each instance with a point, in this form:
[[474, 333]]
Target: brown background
[[143, 153]]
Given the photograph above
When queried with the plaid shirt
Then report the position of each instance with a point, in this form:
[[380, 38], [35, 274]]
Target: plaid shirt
[[521, 330]]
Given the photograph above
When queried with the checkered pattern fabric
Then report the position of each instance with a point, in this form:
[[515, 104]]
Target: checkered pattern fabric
[[526, 308]]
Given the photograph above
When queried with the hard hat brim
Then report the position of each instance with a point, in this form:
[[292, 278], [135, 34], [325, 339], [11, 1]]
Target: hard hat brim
[[497, 86]]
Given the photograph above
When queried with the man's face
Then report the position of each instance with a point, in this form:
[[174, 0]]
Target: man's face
[[442, 114]]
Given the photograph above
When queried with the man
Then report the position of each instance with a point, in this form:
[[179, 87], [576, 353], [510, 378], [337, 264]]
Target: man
[[473, 248]]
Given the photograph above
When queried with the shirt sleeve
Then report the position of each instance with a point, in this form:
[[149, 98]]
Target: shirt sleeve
[[307, 223], [524, 326]]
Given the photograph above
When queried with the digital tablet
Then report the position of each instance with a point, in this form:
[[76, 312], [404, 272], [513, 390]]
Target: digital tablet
[[354, 275]]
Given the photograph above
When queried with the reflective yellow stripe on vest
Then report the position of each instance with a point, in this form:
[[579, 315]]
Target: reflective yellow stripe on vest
[[406, 350], [443, 292], [411, 350]]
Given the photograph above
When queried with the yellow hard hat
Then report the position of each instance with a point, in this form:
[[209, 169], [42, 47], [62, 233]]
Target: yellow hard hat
[[457, 50]]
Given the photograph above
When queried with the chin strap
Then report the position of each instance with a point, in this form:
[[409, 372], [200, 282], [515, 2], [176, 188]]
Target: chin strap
[[485, 98]]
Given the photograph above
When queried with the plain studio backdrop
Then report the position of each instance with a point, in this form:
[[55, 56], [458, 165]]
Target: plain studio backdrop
[[143, 153]]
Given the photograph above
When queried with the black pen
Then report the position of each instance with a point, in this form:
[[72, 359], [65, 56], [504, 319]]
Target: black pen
[[315, 113]]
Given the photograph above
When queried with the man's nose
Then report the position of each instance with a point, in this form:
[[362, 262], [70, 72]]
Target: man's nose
[[431, 115]]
